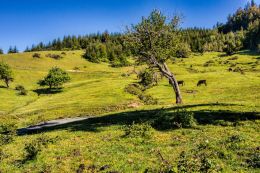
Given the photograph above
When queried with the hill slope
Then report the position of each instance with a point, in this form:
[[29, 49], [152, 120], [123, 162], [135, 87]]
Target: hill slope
[[227, 112]]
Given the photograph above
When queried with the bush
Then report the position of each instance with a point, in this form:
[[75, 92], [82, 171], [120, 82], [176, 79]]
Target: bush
[[36, 55], [35, 146], [134, 89], [148, 99], [200, 159], [209, 63], [178, 119], [137, 90], [183, 51], [7, 133], [54, 56], [138, 130], [21, 89], [254, 160]]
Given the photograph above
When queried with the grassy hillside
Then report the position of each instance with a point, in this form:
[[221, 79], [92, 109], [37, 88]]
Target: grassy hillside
[[226, 138]]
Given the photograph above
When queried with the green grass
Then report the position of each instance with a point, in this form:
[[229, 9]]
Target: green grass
[[228, 108]]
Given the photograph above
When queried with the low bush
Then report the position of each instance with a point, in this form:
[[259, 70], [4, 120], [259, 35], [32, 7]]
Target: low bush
[[148, 99], [34, 147], [21, 89], [137, 90], [54, 56], [209, 63], [177, 119], [143, 130], [134, 89], [36, 55], [7, 133], [254, 160]]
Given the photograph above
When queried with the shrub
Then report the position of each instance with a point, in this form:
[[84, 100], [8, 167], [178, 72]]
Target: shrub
[[143, 130], [209, 63], [34, 147], [54, 56], [200, 159], [134, 89], [177, 119], [254, 160], [21, 89], [183, 51], [148, 99], [63, 53], [76, 68], [36, 55], [7, 133]]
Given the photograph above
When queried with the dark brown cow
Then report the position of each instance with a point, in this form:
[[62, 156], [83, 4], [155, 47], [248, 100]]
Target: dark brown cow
[[200, 82], [181, 82]]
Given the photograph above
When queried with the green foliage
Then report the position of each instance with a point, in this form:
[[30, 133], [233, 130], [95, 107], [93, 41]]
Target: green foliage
[[55, 78], [6, 73], [54, 56], [134, 89], [96, 52], [7, 133], [138, 90], [177, 119], [36, 55], [148, 77], [35, 146], [154, 33], [143, 130], [1, 51], [233, 43], [183, 51], [21, 89]]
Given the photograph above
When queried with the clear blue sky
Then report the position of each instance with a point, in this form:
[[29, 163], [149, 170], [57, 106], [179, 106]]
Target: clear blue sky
[[24, 22]]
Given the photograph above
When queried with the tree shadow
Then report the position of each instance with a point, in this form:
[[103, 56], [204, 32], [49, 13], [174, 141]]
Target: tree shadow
[[41, 91], [203, 117]]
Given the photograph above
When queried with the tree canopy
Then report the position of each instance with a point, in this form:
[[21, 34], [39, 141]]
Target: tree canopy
[[6, 73], [55, 78]]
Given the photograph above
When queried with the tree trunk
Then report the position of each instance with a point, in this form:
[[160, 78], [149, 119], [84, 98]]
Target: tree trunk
[[175, 86], [173, 82], [7, 83]]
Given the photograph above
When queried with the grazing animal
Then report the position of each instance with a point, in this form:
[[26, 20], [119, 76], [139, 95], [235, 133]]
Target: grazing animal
[[181, 82], [230, 69], [200, 82]]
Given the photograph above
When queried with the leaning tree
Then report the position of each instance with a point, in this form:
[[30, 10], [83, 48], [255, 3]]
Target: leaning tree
[[154, 41]]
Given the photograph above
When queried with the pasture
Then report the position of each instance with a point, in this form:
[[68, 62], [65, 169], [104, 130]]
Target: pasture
[[225, 139]]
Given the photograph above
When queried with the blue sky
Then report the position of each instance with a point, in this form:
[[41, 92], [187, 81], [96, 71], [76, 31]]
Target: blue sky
[[25, 22]]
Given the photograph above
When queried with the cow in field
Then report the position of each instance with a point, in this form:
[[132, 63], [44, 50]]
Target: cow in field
[[181, 82], [200, 82]]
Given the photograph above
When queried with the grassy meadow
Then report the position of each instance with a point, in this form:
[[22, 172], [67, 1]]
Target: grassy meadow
[[226, 138]]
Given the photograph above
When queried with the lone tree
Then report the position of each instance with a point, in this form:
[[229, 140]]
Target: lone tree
[[55, 78], [6, 73], [155, 40]]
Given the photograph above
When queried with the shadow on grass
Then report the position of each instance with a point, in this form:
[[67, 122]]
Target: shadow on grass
[[47, 91], [203, 117]]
